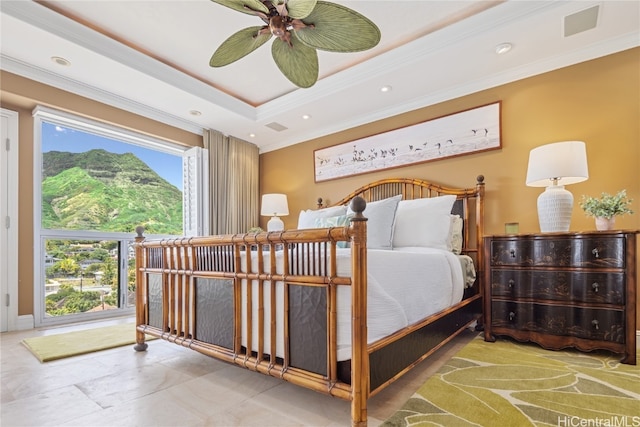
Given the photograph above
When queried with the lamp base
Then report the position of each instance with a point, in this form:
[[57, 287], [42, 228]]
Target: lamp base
[[554, 209], [275, 224]]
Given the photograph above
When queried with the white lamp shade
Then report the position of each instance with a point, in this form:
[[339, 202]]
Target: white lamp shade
[[565, 161], [554, 166], [274, 205]]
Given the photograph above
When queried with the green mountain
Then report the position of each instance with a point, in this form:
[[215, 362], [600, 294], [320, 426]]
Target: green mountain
[[98, 190]]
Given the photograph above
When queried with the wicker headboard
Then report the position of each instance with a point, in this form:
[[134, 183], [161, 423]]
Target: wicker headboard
[[469, 205]]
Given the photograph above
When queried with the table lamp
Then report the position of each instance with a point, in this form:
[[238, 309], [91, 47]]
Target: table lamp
[[553, 166], [274, 205]]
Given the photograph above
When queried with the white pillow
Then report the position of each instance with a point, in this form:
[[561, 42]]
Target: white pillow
[[424, 222], [380, 220], [456, 234], [307, 219]]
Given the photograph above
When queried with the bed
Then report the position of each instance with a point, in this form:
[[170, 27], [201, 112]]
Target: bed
[[344, 305]]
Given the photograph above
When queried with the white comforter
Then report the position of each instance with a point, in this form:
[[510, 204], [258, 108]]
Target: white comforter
[[404, 286]]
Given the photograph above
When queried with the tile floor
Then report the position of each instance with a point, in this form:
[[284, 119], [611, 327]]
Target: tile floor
[[169, 385]]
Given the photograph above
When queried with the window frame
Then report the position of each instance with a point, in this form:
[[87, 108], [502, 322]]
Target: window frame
[[44, 114]]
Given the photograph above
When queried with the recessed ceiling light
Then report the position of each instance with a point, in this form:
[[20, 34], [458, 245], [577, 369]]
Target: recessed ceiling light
[[386, 88], [503, 48], [195, 113], [306, 116], [61, 61], [252, 135]]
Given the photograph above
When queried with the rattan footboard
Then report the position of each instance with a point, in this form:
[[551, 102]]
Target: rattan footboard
[[204, 293]]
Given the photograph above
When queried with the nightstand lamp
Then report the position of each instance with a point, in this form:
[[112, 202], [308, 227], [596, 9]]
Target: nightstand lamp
[[274, 205], [553, 166]]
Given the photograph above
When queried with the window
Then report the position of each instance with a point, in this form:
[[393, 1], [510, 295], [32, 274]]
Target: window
[[94, 184]]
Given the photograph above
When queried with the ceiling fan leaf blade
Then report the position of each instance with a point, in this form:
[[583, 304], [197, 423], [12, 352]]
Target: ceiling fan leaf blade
[[239, 5], [299, 9], [238, 46], [298, 63], [338, 29]]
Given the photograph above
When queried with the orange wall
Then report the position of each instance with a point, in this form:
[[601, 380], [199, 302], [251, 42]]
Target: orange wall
[[22, 95], [597, 102]]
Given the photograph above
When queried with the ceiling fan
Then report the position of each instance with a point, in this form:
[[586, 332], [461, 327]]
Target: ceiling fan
[[300, 27]]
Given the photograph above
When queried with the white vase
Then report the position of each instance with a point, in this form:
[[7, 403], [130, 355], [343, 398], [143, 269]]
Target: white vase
[[605, 223]]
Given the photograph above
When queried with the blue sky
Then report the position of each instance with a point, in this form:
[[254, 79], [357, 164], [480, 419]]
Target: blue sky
[[57, 138]]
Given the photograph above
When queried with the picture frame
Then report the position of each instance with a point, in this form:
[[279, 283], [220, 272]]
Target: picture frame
[[465, 132]]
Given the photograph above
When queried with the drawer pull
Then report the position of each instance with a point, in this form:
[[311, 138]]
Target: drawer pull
[[596, 252], [511, 283], [512, 316], [595, 287], [595, 324], [512, 253]]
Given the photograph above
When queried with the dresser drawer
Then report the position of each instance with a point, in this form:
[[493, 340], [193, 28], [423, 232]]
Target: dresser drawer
[[588, 323], [591, 252], [587, 287]]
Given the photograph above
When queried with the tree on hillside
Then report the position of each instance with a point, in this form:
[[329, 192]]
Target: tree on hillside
[[68, 301], [110, 273], [68, 266]]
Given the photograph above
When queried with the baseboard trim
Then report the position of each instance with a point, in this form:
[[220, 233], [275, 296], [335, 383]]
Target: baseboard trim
[[25, 322]]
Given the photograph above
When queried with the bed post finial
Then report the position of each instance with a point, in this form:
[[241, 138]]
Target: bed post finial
[[140, 231], [319, 203], [358, 205], [480, 179]]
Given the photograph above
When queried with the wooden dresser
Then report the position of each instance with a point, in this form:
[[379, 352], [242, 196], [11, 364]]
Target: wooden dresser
[[563, 290]]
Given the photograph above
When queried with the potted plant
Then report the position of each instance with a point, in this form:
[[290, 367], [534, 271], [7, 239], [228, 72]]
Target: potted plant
[[606, 207]]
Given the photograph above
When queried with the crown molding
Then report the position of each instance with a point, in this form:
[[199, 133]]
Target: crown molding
[[416, 51], [608, 47], [41, 17], [73, 86], [426, 46]]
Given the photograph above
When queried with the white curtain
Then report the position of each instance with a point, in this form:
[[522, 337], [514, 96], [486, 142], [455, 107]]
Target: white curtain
[[234, 197]]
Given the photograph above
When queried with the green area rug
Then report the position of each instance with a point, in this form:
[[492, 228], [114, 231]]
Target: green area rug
[[514, 384], [67, 344]]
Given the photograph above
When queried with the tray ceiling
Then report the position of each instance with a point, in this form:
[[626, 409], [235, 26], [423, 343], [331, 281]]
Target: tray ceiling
[[151, 58]]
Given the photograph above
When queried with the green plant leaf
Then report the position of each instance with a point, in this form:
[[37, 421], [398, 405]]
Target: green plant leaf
[[607, 206], [239, 5], [238, 45], [338, 29], [299, 63], [299, 9]]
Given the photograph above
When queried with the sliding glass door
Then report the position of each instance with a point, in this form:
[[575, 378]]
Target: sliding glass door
[[94, 185]]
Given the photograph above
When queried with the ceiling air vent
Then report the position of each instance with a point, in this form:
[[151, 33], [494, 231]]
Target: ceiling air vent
[[276, 126], [581, 21]]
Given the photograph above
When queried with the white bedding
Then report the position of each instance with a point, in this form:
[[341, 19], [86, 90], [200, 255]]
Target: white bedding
[[404, 286]]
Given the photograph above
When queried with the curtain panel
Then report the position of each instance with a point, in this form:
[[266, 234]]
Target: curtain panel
[[234, 197]]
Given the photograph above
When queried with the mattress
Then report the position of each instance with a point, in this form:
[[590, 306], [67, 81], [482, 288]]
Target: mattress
[[404, 286]]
